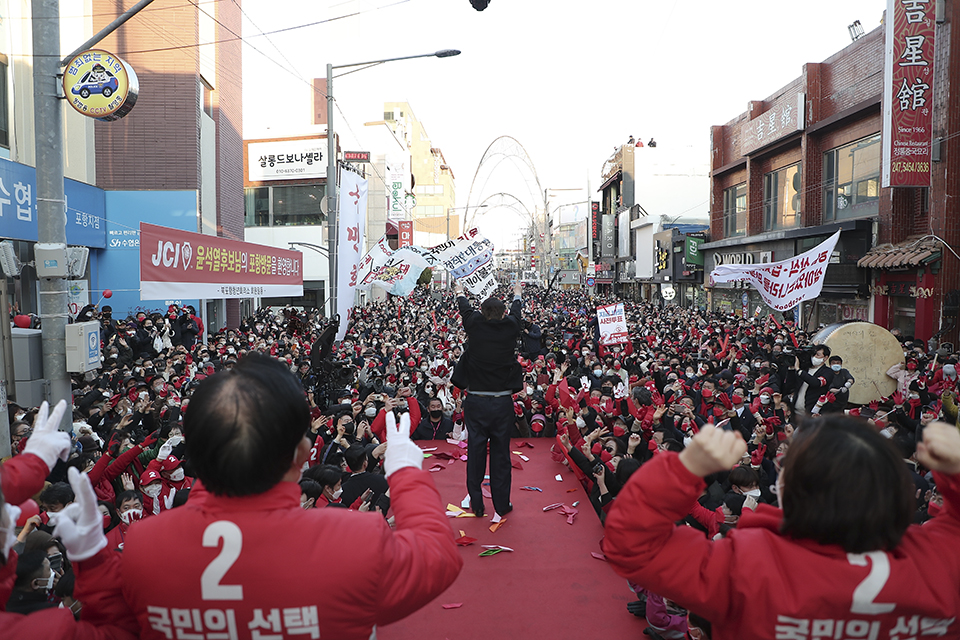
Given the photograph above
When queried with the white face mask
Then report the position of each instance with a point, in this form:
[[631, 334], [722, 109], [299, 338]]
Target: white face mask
[[336, 494], [764, 399], [131, 515], [47, 584], [836, 367], [152, 490], [753, 492], [816, 361], [177, 474], [370, 412], [581, 423]]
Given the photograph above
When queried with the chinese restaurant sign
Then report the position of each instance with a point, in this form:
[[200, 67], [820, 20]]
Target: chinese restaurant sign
[[907, 93], [179, 264], [777, 122]]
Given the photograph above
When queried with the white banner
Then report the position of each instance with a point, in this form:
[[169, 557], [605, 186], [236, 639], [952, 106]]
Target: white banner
[[352, 208], [397, 182], [154, 290], [468, 259], [613, 324], [783, 284]]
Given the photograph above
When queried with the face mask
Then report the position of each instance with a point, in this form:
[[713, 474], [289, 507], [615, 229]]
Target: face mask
[[707, 393], [764, 399], [46, 585], [370, 412], [597, 372], [887, 433], [914, 396], [816, 361], [177, 475], [581, 423], [753, 492], [106, 520], [836, 367], [336, 494], [691, 375], [152, 490], [911, 367], [436, 414], [424, 368]]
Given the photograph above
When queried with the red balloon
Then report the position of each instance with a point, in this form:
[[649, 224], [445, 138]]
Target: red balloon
[[107, 293], [28, 509], [22, 321]]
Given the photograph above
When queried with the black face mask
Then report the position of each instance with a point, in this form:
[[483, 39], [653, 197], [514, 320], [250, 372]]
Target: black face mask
[[349, 428], [436, 414]]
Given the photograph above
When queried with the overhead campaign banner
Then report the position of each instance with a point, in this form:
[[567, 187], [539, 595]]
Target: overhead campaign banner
[[613, 324], [353, 213], [179, 264], [468, 259], [783, 284], [908, 93]]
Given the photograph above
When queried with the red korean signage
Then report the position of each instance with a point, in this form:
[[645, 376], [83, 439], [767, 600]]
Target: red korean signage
[[595, 221], [178, 264], [908, 93], [406, 233]]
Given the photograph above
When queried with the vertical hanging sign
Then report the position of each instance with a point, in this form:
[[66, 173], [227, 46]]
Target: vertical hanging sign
[[908, 93]]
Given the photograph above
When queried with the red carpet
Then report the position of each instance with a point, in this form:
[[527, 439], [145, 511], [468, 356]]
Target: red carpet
[[548, 587]]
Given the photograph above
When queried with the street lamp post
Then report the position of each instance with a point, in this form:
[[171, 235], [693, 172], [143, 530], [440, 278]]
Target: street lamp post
[[332, 201]]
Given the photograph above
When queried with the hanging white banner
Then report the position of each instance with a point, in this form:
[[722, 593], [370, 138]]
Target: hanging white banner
[[613, 324], [783, 284], [352, 208]]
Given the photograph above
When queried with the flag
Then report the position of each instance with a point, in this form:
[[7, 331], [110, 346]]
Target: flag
[[352, 209]]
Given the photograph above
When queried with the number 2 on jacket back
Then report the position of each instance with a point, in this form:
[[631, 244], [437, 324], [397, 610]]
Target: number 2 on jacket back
[[210, 587], [871, 586]]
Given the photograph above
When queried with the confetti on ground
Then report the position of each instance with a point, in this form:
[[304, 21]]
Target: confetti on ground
[[465, 541], [497, 525], [492, 550], [559, 478], [531, 489], [437, 467], [452, 605], [571, 490], [598, 556], [430, 449], [551, 507]]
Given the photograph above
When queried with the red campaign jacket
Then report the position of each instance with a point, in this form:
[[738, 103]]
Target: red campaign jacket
[[379, 426], [22, 476], [242, 558], [757, 583]]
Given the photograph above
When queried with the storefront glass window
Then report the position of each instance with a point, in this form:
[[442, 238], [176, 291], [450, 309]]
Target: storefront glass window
[[735, 211], [257, 206], [904, 315], [294, 205], [781, 198], [851, 180]]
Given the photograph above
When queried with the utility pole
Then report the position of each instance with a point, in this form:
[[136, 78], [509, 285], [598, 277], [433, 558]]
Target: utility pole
[[51, 205], [332, 202]]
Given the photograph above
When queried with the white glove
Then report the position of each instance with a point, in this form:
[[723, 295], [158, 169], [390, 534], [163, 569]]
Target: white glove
[[165, 450], [401, 452], [9, 515], [47, 442], [80, 525], [584, 382], [620, 392]]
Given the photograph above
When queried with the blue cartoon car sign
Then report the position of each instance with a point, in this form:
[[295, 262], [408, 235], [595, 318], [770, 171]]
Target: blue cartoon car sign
[[97, 80], [100, 85]]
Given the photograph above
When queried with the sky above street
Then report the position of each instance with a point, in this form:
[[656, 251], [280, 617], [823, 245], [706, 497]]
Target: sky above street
[[569, 80]]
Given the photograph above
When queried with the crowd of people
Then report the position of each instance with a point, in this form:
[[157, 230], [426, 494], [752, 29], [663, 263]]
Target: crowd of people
[[684, 376]]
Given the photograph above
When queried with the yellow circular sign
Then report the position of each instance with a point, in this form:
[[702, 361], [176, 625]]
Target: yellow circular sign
[[100, 85]]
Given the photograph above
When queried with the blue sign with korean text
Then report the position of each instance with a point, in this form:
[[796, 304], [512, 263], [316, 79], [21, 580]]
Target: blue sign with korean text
[[18, 207]]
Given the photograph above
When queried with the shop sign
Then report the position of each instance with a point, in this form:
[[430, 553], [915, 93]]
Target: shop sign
[[287, 160], [397, 183], [854, 312], [732, 258], [691, 254], [595, 221], [406, 233], [908, 93], [356, 156], [98, 84], [608, 247], [777, 122]]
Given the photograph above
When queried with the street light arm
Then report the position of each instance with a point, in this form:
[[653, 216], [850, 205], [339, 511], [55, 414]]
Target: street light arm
[[317, 248], [443, 53]]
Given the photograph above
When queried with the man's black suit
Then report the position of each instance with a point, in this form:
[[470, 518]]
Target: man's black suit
[[493, 374]]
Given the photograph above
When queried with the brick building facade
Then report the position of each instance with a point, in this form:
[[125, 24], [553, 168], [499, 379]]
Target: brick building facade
[[186, 130], [806, 161]]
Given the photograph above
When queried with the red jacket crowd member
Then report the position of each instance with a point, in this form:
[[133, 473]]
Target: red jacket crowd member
[[840, 561], [244, 544], [22, 476]]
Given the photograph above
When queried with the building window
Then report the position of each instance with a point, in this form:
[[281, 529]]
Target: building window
[[257, 207], [429, 190], [294, 205], [781, 198], [735, 211], [851, 180]]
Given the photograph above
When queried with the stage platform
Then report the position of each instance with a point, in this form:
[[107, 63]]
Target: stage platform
[[549, 586]]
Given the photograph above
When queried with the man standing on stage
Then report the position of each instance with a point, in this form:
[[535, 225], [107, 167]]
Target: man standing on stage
[[493, 375]]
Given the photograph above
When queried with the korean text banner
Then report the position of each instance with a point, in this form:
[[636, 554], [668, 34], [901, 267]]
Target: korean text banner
[[469, 259], [179, 264], [783, 284], [908, 93], [353, 213], [613, 324]]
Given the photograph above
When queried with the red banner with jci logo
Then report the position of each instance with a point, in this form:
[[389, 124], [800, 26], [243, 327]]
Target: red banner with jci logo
[[179, 264]]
